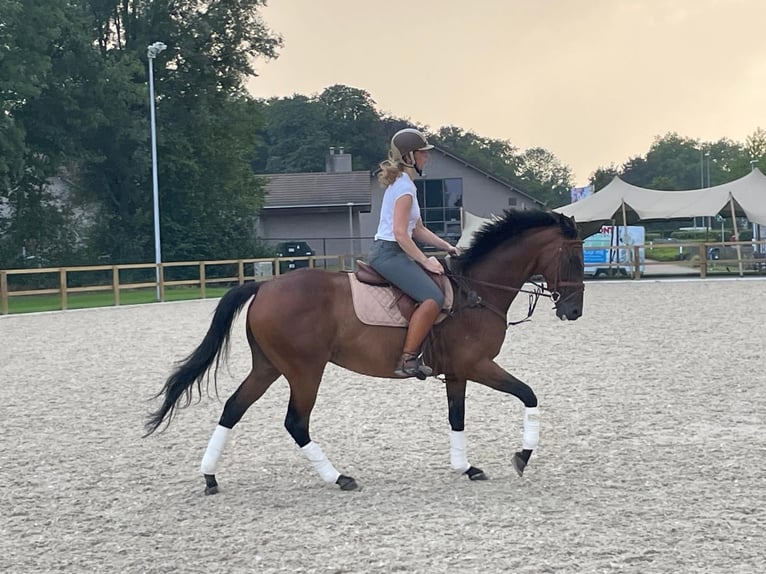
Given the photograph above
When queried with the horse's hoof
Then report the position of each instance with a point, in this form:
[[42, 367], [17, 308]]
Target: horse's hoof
[[211, 485], [346, 483], [519, 464], [476, 474]]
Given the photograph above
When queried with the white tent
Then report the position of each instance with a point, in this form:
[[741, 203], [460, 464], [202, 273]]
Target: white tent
[[626, 203]]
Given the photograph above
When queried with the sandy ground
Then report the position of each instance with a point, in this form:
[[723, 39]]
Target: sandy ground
[[652, 456]]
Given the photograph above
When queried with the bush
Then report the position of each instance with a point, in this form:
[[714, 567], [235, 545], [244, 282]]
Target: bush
[[689, 235]]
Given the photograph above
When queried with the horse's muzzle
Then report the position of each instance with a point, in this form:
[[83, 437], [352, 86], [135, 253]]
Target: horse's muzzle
[[568, 313]]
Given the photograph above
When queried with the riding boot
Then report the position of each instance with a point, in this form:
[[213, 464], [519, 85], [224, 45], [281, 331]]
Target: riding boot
[[410, 363]]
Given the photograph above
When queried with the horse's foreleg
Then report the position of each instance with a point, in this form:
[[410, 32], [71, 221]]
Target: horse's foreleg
[[302, 398], [457, 451], [493, 376], [251, 389]]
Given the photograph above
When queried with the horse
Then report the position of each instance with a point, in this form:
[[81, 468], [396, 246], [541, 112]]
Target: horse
[[298, 322]]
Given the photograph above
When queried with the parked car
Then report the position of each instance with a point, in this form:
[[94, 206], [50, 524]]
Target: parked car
[[296, 249]]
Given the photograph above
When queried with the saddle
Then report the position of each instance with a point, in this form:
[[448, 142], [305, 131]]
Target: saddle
[[366, 277]]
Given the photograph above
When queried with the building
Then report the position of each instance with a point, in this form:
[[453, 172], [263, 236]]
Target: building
[[337, 210]]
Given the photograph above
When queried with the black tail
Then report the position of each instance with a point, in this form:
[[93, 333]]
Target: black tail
[[213, 349]]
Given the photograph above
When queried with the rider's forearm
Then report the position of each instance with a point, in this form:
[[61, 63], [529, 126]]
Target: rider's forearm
[[409, 247], [425, 235]]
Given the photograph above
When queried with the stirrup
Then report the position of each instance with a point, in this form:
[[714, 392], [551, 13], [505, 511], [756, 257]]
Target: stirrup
[[411, 365]]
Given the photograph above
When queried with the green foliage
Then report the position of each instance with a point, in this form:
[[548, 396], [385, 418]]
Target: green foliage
[[690, 235], [299, 130], [74, 107], [677, 163], [663, 253]]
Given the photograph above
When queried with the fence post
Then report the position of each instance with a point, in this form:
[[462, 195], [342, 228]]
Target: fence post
[[116, 285], [636, 262], [703, 260], [4, 291], [241, 272], [161, 268], [62, 289], [202, 279]]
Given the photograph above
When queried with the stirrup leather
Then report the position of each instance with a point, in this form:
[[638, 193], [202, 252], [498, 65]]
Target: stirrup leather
[[411, 365]]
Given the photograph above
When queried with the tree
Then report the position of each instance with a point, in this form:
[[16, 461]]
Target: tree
[[544, 177], [294, 136], [355, 124], [32, 218], [206, 128], [602, 177], [498, 157]]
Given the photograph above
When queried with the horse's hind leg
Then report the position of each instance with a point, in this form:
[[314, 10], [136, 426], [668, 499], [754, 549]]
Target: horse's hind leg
[[303, 394], [251, 389]]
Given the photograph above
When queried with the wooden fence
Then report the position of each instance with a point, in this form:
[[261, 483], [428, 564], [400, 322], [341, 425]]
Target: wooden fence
[[701, 265], [116, 286]]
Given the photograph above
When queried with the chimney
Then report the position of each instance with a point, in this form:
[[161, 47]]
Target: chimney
[[339, 162]]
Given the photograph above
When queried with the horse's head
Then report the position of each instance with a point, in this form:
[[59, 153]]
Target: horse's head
[[510, 250], [563, 269]]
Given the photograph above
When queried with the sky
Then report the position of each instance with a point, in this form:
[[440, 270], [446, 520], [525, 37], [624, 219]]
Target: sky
[[592, 81]]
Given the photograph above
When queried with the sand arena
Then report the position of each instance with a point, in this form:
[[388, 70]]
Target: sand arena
[[652, 455]]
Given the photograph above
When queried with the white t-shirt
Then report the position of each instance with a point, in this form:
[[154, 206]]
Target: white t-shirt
[[402, 186]]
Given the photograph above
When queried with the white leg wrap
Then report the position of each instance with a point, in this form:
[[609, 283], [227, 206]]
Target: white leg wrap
[[457, 457], [320, 463], [531, 428], [215, 447]]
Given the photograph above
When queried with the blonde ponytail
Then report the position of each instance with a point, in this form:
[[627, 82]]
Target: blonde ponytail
[[390, 171]]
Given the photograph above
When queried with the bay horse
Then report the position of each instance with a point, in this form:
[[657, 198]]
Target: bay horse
[[298, 322]]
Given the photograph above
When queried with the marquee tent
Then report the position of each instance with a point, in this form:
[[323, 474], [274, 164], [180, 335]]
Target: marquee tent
[[626, 203]]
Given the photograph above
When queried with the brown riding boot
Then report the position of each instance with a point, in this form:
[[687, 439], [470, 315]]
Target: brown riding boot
[[410, 364]]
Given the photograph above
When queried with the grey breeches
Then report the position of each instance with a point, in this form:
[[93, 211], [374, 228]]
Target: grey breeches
[[388, 259]]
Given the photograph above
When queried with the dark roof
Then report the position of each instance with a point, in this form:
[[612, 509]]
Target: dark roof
[[289, 190], [495, 178]]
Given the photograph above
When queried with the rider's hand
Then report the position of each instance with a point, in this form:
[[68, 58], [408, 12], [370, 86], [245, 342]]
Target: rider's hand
[[431, 264], [454, 250]]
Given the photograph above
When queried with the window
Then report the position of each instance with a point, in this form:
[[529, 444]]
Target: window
[[440, 202]]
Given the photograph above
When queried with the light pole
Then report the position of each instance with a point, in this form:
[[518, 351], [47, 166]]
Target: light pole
[[151, 53], [702, 178], [707, 155], [350, 205]]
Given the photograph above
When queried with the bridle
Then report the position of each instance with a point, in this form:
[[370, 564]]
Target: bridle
[[576, 286], [540, 290]]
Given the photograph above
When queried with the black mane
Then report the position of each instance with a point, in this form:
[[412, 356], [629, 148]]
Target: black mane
[[511, 226]]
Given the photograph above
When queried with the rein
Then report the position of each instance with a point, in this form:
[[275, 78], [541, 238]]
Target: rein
[[475, 300]]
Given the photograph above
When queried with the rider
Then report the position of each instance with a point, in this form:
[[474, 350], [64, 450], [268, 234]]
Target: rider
[[395, 255]]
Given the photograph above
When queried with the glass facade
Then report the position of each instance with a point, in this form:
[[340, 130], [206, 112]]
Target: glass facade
[[440, 201]]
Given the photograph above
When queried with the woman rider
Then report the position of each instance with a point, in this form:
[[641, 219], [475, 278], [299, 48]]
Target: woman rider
[[395, 255]]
